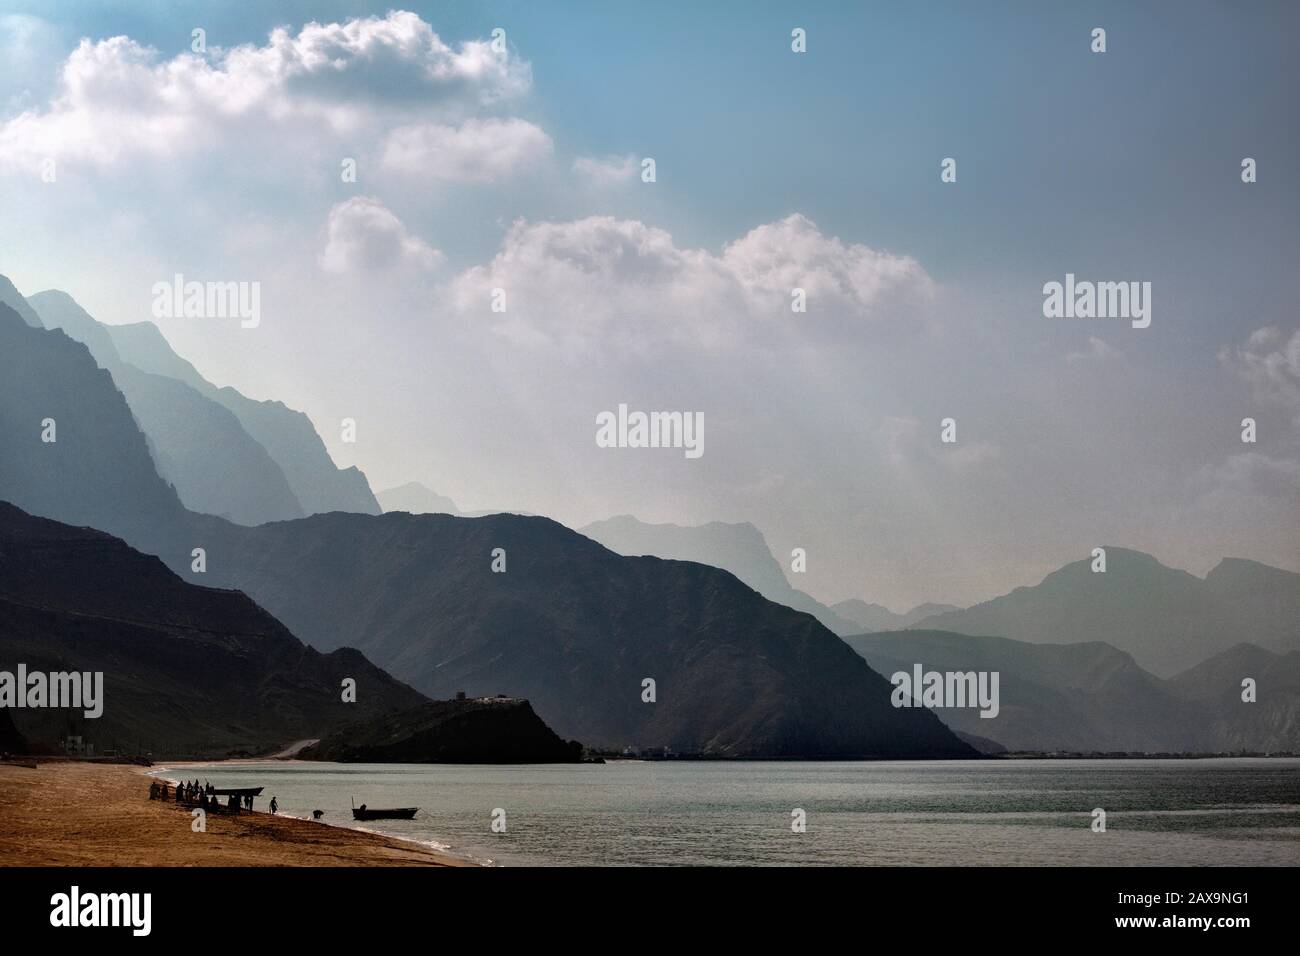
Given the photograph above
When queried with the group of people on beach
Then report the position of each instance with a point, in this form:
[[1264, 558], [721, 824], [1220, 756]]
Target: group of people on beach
[[193, 794]]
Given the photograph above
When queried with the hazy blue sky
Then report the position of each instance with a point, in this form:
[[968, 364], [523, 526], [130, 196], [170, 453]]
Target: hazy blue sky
[[774, 169]]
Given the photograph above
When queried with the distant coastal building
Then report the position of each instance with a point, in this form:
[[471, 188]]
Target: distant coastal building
[[498, 699]]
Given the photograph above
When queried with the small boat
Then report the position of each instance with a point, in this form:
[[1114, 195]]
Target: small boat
[[392, 813]]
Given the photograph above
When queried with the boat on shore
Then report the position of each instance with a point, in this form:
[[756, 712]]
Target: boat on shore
[[390, 813]]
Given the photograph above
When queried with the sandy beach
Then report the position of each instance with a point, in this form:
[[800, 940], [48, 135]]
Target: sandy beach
[[99, 814]]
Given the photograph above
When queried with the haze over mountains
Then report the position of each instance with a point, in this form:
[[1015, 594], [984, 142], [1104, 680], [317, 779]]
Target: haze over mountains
[[576, 629], [1272, 722], [738, 548], [199, 446], [742, 550], [1166, 618], [99, 471], [226, 454], [10, 296], [874, 617], [570, 625], [1091, 697], [741, 664], [416, 499], [288, 435]]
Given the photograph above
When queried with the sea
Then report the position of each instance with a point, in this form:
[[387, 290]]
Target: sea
[[1209, 812]]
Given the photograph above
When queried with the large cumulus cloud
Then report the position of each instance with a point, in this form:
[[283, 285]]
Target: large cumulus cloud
[[117, 101], [598, 281]]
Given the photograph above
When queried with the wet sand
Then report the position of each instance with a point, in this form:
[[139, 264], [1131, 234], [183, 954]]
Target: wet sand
[[98, 814]]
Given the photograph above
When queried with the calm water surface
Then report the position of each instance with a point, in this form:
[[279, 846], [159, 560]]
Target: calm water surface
[[1012, 812]]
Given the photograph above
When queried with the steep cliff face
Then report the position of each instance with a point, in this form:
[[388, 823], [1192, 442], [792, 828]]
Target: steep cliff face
[[288, 436], [97, 470]]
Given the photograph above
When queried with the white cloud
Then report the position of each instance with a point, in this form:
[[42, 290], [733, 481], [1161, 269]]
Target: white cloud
[[1270, 362], [364, 235], [610, 171], [602, 280], [780, 256], [477, 151], [117, 99]]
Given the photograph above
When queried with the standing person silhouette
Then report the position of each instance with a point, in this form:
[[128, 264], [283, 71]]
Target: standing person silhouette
[[274, 806]]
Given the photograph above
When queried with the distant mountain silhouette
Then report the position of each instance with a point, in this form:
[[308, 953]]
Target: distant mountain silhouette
[[99, 471], [198, 445], [576, 629], [58, 310], [1272, 722], [1092, 697], [310, 482], [1261, 602], [293, 442], [416, 499], [1167, 619], [288, 435], [144, 346], [187, 669], [874, 617], [571, 626], [14, 299], [1075, 697], [738, 548], [204, 451], [449, 731]]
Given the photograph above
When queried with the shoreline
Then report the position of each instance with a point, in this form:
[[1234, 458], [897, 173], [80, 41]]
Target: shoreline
[[164, 771], [68, 813]]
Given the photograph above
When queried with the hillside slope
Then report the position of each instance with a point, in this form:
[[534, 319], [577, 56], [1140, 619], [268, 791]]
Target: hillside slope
[[187, 669]]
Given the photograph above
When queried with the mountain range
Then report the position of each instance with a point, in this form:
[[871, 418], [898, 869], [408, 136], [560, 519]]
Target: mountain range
[[738, 548], [1092, 697], [741, 549], [570, 625], [574, 628], [875, 617], [226, 454], [1165, 618], [187, 669], [742, 663]]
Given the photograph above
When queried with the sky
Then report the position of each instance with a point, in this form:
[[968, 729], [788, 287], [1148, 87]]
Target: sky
[[519, 167]]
